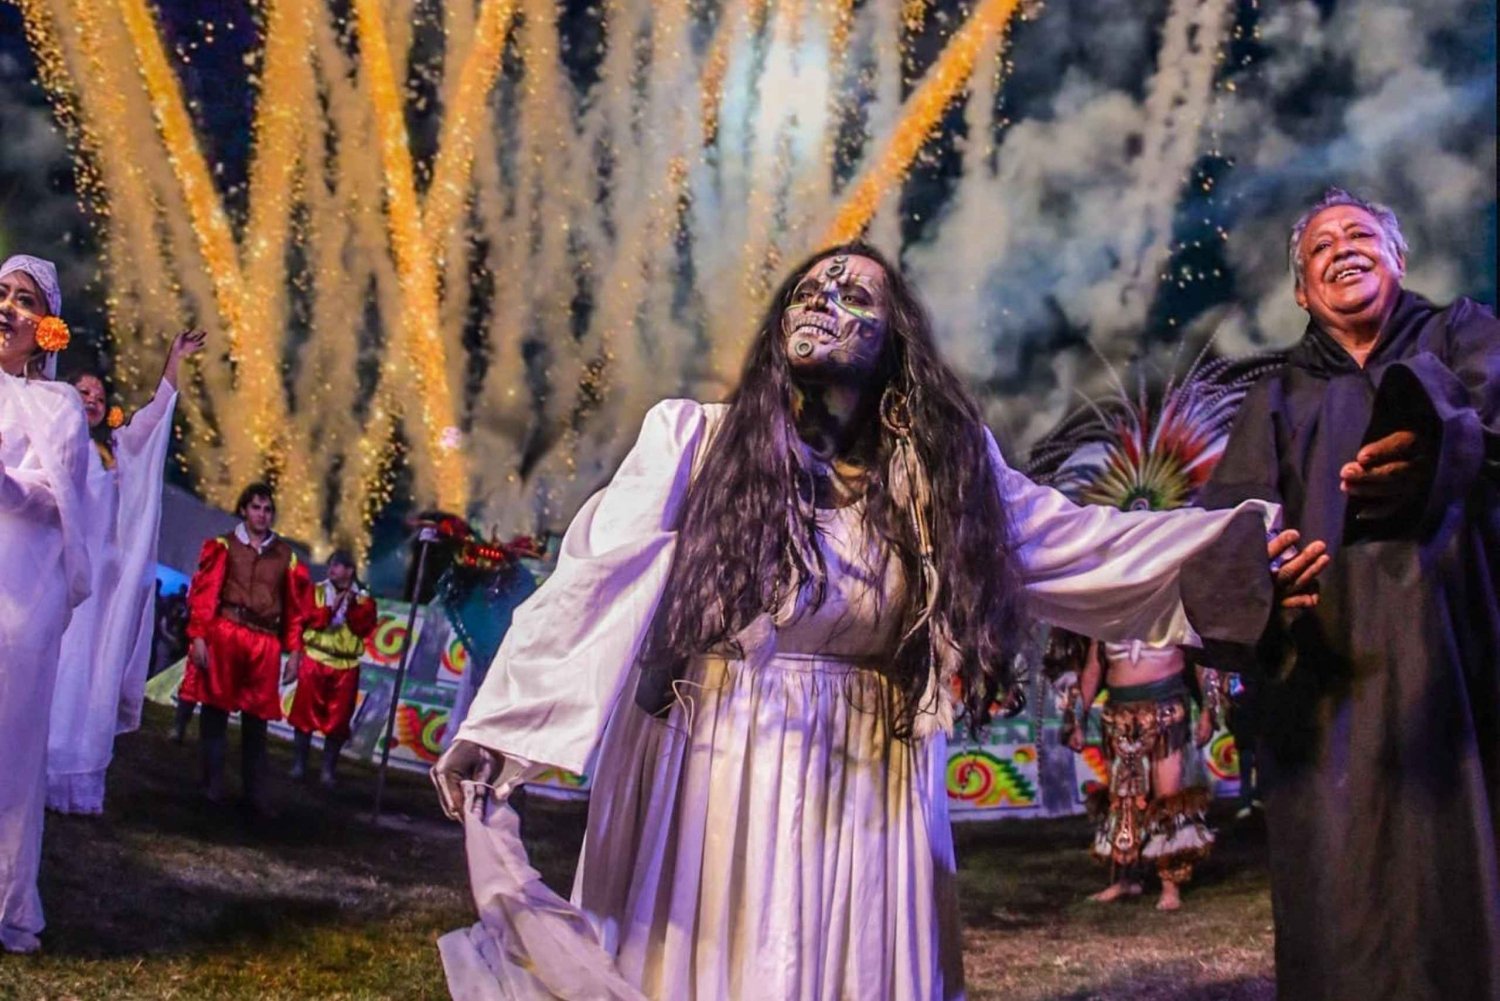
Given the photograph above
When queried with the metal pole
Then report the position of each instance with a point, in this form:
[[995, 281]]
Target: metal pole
[[425, 538]]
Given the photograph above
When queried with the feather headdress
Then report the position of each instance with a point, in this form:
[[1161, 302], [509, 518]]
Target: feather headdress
[[1123, 452]]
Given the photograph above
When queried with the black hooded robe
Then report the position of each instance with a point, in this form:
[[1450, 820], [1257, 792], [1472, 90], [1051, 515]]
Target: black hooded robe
[[1381, 707]]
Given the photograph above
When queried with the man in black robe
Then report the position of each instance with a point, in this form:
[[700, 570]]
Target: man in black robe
[[1381, 703]]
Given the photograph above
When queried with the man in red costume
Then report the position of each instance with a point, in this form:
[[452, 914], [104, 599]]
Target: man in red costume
[[246, 604], [341, 616]]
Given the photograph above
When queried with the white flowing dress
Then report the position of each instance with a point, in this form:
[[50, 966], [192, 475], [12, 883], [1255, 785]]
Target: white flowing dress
[[44, 573], [106, 651], [766, 839]]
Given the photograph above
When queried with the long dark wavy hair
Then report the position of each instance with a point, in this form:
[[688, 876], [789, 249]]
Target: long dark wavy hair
[[743, 545]]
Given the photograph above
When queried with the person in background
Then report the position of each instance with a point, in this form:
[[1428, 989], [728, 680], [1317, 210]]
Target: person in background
[[101, 675], [342, 616], [170, 638], [1146, 452], [246, 606], [1145, 815]]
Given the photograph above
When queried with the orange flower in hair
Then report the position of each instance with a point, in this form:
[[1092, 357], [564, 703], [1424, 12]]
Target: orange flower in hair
[[52, 334], [115, 418]]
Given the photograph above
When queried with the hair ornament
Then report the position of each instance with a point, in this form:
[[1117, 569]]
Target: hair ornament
[[52, 334]]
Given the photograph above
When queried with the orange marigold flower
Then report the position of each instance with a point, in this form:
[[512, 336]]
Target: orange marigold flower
[[115, 418], [52, 334]]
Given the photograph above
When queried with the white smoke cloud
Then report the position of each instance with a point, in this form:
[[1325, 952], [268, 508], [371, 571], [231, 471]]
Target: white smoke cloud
[[1028, 261], [1409, 131]]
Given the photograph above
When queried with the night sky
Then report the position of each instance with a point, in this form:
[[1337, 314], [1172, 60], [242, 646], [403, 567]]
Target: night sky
[[1394, 98]]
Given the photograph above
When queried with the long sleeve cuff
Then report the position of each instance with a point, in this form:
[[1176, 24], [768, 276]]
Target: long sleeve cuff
[[1228, 593], [1421, 390], [1227, 588]]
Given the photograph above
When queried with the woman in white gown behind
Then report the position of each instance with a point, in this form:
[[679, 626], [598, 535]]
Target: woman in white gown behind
[[763, 625], [101, 674]]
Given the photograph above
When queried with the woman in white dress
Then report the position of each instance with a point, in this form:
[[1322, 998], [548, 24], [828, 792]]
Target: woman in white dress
[[763, 625], [44, 572], [101, 673]]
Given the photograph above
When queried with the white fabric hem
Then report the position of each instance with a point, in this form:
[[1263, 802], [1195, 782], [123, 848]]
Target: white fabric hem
[[79, 792], [529, 944], [18, 940]]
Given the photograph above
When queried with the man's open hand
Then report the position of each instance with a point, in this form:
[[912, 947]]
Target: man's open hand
[[1387, 474], [1296, 573]]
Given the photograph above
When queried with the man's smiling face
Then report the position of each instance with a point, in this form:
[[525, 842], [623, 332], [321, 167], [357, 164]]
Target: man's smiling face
[[1349, 272]]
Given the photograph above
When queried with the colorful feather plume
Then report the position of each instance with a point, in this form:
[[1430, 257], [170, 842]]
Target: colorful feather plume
[[1122, 452]]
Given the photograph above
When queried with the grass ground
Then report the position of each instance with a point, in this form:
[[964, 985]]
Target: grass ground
[[167, 897]]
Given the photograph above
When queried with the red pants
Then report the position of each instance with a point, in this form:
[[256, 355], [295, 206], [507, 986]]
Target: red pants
[[325, 699], [244, 671]]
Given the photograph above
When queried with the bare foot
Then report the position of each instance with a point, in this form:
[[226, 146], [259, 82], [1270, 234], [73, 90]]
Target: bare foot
[[1171, 899], [1113, 892]]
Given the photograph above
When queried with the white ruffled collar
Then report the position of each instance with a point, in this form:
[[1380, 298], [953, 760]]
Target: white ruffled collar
[[243, 534]]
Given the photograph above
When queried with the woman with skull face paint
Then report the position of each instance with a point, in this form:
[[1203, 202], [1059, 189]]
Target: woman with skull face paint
[[44, 572], [101, 674], [755, 640]]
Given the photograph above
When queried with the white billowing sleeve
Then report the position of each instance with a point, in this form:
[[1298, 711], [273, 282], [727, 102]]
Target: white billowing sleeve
[[25, 491], [1105, 573], [571, 646], [150, 427], [141, 453]]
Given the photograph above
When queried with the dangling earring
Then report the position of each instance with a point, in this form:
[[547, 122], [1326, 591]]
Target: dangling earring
[[895, 411]]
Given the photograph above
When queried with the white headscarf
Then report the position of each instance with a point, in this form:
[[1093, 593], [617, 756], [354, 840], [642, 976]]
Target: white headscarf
[[44, 273]]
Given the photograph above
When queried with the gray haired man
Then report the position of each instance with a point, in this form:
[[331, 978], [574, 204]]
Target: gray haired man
[[1381, 704]]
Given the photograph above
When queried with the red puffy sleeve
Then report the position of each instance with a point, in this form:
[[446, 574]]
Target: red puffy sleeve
[[207, 582], [299, 606], [362, 616]]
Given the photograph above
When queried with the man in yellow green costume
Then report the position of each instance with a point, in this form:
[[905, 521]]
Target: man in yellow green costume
[[343, 614]]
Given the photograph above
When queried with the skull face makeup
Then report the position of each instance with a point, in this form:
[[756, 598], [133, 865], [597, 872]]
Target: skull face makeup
[[835, 326]]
